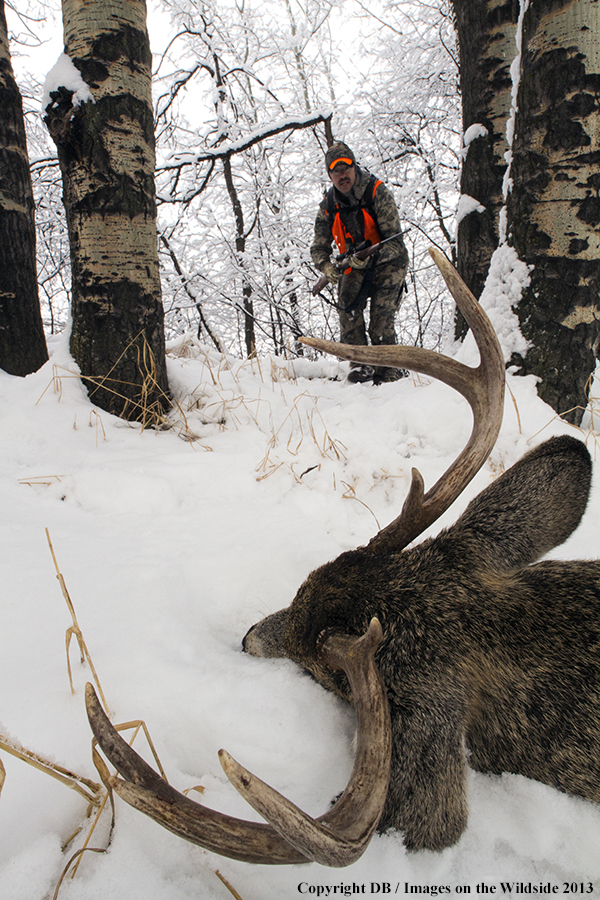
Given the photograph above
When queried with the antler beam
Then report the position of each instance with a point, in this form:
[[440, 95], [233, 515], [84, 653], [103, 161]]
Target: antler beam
[[336, 839], [482, 387], [341, 836]]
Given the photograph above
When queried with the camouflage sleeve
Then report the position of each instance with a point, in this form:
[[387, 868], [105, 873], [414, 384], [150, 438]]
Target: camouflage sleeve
[[389, 223], [320, 251]]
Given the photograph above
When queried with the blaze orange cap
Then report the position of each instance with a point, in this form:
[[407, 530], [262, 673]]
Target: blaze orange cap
[[342, 159], [339, 153]]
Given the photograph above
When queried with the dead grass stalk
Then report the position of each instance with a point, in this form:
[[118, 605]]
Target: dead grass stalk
[[75, 631]]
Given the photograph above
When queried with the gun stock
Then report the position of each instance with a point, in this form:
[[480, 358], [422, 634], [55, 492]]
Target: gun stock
[[319, 285]]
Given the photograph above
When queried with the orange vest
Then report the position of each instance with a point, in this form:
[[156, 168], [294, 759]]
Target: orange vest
[[341, 234]]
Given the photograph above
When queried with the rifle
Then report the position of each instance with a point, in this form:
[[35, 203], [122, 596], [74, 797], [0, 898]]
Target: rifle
[[363, 251]]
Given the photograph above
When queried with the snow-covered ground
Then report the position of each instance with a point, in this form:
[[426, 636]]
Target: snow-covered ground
[[171, 545]]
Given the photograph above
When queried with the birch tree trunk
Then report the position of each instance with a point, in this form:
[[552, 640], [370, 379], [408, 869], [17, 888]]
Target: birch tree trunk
[[106, 153], [554, 204], [486, 31], [22, 342]]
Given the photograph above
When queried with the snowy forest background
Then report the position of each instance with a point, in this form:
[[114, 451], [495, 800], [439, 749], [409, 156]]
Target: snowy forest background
[[172, 542], [279, 62]]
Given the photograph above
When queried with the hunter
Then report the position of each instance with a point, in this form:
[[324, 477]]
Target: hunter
[[357, 208]]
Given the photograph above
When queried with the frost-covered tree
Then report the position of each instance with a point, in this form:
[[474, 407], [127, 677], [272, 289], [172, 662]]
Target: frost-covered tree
[[554, 203], [405, 124], [236, 111], [486, 32], [22, 341], [29, 31], [100, 116], [552, 124]]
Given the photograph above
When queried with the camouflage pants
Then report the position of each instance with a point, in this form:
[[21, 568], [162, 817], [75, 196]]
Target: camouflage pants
[[384, 289]]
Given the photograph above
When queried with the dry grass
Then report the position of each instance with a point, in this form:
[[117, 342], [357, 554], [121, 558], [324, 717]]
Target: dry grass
[[229, 887], [75, 631], [85, 787], [350, 494], [152, 405], [222, 401], [96, 795], [588, 432], [300, 425], [41, 480]]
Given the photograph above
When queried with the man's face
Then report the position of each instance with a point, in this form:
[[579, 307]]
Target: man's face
[[343, 177]]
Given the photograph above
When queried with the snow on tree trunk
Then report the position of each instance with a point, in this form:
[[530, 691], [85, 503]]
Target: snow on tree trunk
[[554, 204], [486, 32], [22, 342], [106, 153]]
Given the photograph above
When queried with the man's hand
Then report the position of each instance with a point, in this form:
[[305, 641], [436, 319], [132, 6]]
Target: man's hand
[[333, 274]]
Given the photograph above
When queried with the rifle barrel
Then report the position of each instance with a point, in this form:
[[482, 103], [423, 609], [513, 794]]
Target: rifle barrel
[[359, 253]]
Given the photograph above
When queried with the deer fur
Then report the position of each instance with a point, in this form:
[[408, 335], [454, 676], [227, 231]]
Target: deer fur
[[489, 657]]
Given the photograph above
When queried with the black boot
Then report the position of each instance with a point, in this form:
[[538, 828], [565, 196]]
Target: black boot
[[384, 374], [360, 374]]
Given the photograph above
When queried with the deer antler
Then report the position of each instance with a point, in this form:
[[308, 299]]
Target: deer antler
[[336, 839], [482, 387]]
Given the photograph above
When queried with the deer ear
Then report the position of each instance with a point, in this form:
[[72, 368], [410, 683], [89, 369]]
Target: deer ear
[[534, 506]]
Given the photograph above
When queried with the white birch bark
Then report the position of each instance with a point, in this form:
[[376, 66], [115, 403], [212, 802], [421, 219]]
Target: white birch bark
[[106, 150], [554, 203]]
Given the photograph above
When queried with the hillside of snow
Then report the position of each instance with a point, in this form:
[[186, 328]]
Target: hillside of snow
[[172, 544]]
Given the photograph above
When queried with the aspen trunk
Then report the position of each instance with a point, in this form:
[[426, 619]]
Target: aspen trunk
[[22, 342], [554, 205], [106, 153], [486, 32]]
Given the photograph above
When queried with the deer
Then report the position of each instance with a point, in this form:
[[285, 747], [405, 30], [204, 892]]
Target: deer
[[464, 649]]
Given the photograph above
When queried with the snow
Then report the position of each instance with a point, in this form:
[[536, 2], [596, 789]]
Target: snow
[[508, 276], [64, 74], [473, 132], [171, 545], [467, 205], [258, 134]]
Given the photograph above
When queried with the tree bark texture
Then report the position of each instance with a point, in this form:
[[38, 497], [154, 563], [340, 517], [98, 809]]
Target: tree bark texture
[[107, 158], [554, 204], [240, 247], [486, 31], [22, 341]]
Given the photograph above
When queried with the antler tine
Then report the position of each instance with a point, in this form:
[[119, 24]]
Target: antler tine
[[336, 839], [341, 836], [482, 387], [145, 790]]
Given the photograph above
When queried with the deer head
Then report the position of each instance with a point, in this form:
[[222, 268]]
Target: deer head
[[458, 643]]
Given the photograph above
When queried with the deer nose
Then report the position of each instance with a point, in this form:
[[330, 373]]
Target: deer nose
[[245, 638]]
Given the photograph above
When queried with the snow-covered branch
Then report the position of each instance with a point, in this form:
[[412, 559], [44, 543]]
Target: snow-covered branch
[[226, 151]]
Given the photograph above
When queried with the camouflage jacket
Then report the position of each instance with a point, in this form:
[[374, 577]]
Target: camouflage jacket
[[387, 220]]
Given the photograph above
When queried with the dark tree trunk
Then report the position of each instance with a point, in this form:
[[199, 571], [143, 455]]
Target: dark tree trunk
[[22, 341], [554, 205], [240, 246], [106, 153], [486, 32]]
